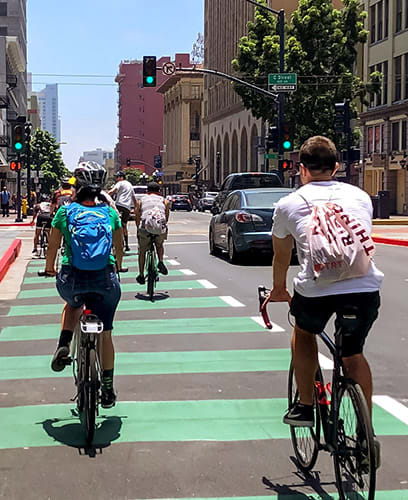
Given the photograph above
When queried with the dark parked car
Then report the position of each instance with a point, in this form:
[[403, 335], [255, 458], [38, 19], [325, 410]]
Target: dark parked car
[[245, 180], [206, 201], [181, 202], [245, 222]]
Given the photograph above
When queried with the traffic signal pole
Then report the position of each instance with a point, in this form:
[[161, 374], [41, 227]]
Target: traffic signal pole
[[281, 112], [18, 200]]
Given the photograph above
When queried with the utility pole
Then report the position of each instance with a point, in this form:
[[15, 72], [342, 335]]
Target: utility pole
[[18, 200], [347, 130], [281, 112], [27, 138], [218, 169]]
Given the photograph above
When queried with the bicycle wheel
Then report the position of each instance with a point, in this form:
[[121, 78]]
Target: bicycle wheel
[[78, 354], [305, 440], [354, 459], [90, 394], [151, 276]]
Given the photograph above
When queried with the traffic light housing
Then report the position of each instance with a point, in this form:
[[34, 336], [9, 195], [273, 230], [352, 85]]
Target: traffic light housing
[[272, 141], [128, 162], [157, 162], [15, 166], [149, 71], [287, 142], [339, 120], [18, 139]]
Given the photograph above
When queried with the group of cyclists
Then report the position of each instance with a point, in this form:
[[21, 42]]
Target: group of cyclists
[[313, 303]]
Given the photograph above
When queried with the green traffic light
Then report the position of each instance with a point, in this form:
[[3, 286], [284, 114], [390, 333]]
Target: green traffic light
[[18, 146], [149, 80], [287, 145]]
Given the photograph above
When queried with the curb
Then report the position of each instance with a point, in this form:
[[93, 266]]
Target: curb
[[9, 257], [390, 222], [390, 241]]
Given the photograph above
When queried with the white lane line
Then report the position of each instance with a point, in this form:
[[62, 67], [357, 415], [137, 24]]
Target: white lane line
[[173, 262], [206, 284], [275, 328], [231, 301], [188, 272], [325, 362], [393, 407], [205, 242]]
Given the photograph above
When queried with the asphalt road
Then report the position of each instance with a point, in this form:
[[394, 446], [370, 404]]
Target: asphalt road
[[201, 388]]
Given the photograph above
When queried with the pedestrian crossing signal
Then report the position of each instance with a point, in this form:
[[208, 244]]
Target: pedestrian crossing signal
[[15, 165]]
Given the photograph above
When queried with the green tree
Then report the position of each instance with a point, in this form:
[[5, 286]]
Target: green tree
[[321, 47], [46, 157]]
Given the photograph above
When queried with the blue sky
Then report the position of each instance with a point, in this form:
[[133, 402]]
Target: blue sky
[[91, 37]]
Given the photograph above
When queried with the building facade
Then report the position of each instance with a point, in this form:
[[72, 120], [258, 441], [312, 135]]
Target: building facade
[[140, 113], [183, 98], [48, 107], [13, 77], [384, 123], [230, 133], [99, 155]]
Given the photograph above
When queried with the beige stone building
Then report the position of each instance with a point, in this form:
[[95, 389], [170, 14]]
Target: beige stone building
[[183, 99], [384, 122], [229, 129]]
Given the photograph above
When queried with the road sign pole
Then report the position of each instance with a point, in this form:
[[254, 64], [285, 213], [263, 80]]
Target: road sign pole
[[281, 113], [18, 200]]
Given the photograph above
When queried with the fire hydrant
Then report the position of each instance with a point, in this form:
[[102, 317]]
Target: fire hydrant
[[24, 207]]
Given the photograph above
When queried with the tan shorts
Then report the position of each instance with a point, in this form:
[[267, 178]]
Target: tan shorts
[[143, 238]]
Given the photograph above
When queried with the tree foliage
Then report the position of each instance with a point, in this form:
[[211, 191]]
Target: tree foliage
[[46, 157], [321, 47], [133, 175]]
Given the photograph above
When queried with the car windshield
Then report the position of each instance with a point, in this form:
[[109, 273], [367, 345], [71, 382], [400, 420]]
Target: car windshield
[[210, 195], [264, 199], [255, 181], [140, 189]]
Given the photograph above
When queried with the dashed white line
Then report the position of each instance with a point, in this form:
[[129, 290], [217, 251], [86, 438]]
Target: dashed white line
[[275, 328], [206, 284], [393, 407], [188, 272], [204, 242], [231, 301], [173, 262]]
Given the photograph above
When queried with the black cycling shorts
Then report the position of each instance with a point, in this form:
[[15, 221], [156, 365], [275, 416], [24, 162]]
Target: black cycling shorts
[[124, 214], [313, 313], [43, 219]]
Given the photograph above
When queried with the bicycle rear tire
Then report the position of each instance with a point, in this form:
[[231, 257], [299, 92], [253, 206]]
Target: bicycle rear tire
[[151, 276], [305, 440], [90, 395], [354, 460]]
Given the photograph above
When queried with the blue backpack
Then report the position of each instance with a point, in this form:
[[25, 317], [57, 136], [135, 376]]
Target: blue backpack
[[91, 236]]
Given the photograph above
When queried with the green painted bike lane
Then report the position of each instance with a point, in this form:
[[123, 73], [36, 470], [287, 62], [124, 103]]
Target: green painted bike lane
[[182, 326], [165, 421], [379, 495], [128, 305], [155, 363]]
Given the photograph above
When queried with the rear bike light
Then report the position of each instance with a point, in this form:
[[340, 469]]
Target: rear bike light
[[87, 312]]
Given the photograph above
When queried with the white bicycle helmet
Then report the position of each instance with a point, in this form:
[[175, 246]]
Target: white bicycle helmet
[[90, 174]]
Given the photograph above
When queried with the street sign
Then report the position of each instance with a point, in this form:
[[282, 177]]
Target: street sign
[[271, 156], [159, 173], [169, 68], [282, 82]]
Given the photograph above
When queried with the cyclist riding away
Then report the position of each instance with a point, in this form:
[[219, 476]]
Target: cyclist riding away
[[62, 196], [125, 199], [315, 298], [42, 213], [150, 208], [88, 267]]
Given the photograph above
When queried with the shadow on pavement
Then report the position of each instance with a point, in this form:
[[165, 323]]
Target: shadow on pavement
[[156, 296], [72, 433]]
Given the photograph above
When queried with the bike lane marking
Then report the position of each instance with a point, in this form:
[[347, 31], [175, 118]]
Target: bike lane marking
[[379, 495], [231, 301], [207, 284], [164, 421], [392, 406]]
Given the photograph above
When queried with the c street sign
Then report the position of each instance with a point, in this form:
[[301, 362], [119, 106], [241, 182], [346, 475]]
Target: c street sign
[[282, 82]]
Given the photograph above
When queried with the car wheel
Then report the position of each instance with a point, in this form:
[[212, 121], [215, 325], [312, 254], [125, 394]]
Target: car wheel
[[233, 255], [213, 249]]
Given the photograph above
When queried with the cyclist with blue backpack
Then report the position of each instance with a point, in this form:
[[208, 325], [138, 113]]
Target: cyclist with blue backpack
[[91, 230]]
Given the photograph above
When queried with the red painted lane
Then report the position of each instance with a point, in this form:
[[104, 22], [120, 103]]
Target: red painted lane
[[9, 257], [390, 241]]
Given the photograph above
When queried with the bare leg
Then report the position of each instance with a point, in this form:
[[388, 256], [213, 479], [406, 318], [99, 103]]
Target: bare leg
[[70, 317], [36, 236], [141, 259], [108, 351], [160, 252], [305, 361], [358, 369]]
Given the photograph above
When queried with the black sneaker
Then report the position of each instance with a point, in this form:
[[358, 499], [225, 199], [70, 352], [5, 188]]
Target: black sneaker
[[162, 268], [127, 249], [141, 280], [300, 415], [60, 359], [108, 398], [34, 250]]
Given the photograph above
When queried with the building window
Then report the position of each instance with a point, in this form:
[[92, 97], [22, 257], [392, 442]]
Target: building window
[[398, 16], [372, 13], [406, 13], [372, 95], [3, 30], [370, 132], [404, 136], [3, 8], [195, 91], [380, 20], [386, 17], [406, 77], [385, 83], [398, 78], [395, 136]]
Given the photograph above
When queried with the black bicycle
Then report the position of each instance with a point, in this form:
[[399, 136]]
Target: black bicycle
[[341, 411], [43, 241], [151, 268]]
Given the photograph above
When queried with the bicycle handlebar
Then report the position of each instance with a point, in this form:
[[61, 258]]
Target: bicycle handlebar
[[263, 293]]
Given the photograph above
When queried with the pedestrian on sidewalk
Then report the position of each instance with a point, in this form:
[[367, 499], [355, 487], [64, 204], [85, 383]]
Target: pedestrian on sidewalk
[[5, 200]]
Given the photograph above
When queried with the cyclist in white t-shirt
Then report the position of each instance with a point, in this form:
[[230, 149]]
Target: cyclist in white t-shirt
[[313, 304], [125, 199]]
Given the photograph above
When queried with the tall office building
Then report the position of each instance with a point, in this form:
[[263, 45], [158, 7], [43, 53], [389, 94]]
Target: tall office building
[[13, 68], [48, 108]]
